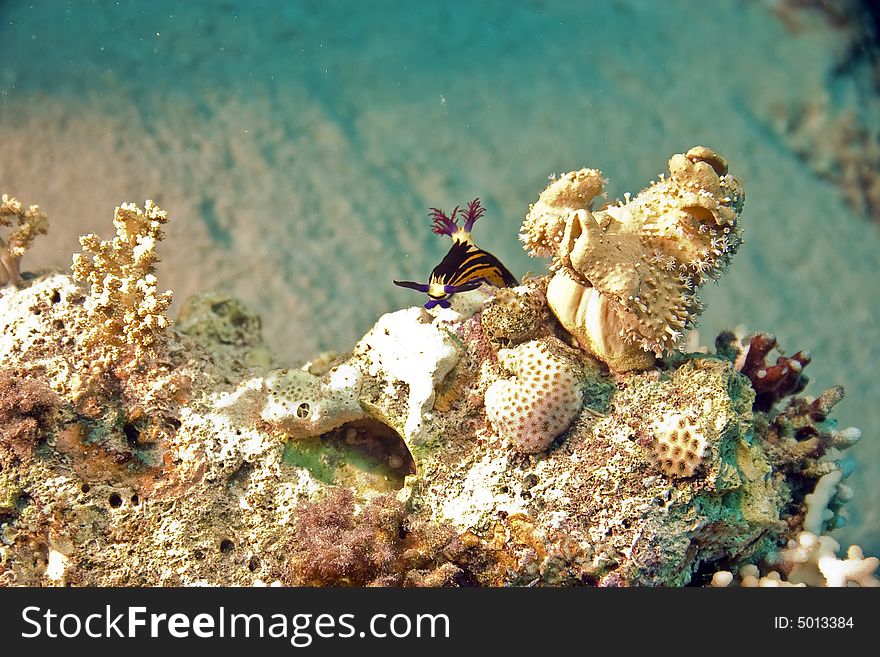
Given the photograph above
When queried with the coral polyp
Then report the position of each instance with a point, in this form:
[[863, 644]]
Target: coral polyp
[[25, 225], [627, 276]]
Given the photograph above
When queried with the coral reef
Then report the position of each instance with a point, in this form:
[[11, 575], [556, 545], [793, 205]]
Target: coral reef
[[627, 275], [182, 479], [123, 293], [469, 445], [25, 225]]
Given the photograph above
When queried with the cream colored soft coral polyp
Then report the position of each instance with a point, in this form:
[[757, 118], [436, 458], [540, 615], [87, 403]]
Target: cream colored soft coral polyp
[[26, 224], [627, 275], [123, 288], [542, 399]]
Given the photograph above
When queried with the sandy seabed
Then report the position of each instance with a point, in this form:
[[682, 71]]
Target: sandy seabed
[[297, 148]]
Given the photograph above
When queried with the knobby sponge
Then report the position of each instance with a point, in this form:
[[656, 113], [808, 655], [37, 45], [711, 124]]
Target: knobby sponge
[[543, 398], [304, 405]]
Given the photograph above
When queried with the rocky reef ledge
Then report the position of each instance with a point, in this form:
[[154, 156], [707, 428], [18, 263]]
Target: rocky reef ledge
[[480, 444], [381, 467]]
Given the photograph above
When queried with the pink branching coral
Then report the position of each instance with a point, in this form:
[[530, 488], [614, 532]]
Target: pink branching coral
[[26, 225], [129, 313], [773, 382]]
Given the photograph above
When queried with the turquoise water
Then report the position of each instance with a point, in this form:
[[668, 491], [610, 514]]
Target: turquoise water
[[297, 147]]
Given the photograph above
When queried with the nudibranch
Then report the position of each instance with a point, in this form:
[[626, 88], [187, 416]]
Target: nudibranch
[[465, 267]]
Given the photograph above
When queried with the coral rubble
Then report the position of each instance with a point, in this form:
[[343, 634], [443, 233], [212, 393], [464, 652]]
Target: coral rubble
[[469, 445]]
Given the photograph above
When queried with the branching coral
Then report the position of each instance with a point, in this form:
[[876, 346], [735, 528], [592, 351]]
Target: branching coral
[[810, 560], [773, 382], [542, 400], [626, 276], [802, 440], [26, 225], [129, 313], [802, 434]]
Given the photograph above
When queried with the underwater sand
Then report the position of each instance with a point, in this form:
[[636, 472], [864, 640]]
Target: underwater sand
[[298, 146]]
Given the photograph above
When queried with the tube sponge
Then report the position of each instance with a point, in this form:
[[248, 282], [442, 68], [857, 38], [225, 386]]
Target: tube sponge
[[543, 398]]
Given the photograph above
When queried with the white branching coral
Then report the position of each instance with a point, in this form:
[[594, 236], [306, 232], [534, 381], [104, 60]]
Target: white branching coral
[[627, 276], [813, 561], [128, 313], [26, 224], [678, 445], [810, 560], [543, 398]]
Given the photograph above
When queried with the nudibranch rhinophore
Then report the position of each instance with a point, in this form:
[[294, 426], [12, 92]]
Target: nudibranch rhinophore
[[465, 267]]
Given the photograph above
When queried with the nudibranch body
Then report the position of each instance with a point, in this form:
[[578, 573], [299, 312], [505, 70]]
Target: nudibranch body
[[465, 267]]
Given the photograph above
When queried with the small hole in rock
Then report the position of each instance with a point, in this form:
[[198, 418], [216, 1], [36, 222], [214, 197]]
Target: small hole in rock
[[132, 435], [85, 488], [226, 545], [56, 297], [135, 500], [22, 501], [115, 500], [253, 564]]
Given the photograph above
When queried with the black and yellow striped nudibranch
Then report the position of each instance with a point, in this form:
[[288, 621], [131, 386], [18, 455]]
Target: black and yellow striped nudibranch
[[465, 267]]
